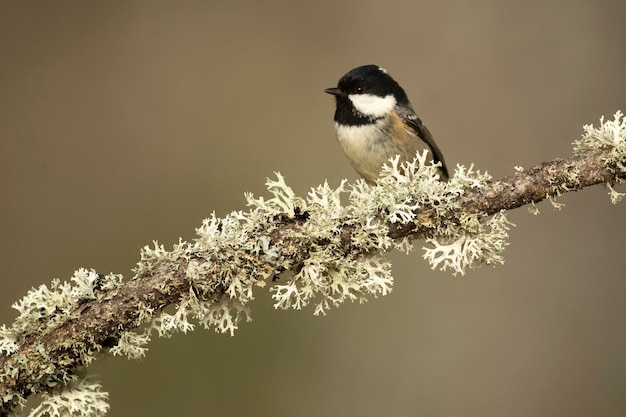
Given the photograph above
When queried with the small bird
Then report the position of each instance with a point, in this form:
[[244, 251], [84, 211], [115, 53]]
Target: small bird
[[374, 122]]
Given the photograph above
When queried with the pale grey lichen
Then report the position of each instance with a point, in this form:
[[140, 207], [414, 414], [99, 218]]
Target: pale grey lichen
[[8, 342], [533, 209], [79, 397], [459, 243], [40, 310], [609, 136], [332, 283], [555, 204], [131, 344], [329, 276], [43, 308], [463, 250], [221, 313], [284, 200]]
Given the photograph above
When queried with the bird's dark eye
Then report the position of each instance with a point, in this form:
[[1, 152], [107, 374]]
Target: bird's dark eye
[[359, 90]]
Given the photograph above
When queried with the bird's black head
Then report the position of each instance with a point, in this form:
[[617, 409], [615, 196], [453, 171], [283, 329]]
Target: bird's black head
[[365, 94]]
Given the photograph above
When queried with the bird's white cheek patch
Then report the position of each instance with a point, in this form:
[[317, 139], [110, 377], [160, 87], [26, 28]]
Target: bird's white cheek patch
[[371, 105]]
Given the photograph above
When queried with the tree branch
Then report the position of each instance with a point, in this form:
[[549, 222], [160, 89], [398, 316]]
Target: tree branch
[[216, 274]]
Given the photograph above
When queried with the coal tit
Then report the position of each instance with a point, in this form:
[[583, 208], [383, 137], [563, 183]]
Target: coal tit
[[374, 122]]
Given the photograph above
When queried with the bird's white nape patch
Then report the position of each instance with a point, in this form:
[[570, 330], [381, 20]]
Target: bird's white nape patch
[[372, 105], [384, 71]]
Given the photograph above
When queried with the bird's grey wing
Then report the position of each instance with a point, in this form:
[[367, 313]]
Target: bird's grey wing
[[418, 127]]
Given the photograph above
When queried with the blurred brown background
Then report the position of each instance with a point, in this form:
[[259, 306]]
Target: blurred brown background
[[125, 122]]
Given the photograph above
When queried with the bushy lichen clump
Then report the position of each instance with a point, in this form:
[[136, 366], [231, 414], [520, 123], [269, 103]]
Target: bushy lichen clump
[[79, 397], [44, 308], [609, 136], [40, 311]]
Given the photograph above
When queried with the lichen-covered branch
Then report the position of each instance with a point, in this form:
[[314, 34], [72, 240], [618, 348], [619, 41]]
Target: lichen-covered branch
[[315, 250], [532, 185]]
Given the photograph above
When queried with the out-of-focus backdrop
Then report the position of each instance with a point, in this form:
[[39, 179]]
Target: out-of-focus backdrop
[[127, 122]]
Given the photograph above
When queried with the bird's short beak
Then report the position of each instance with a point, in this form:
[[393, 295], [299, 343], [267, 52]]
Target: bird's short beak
[[335, 91]]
